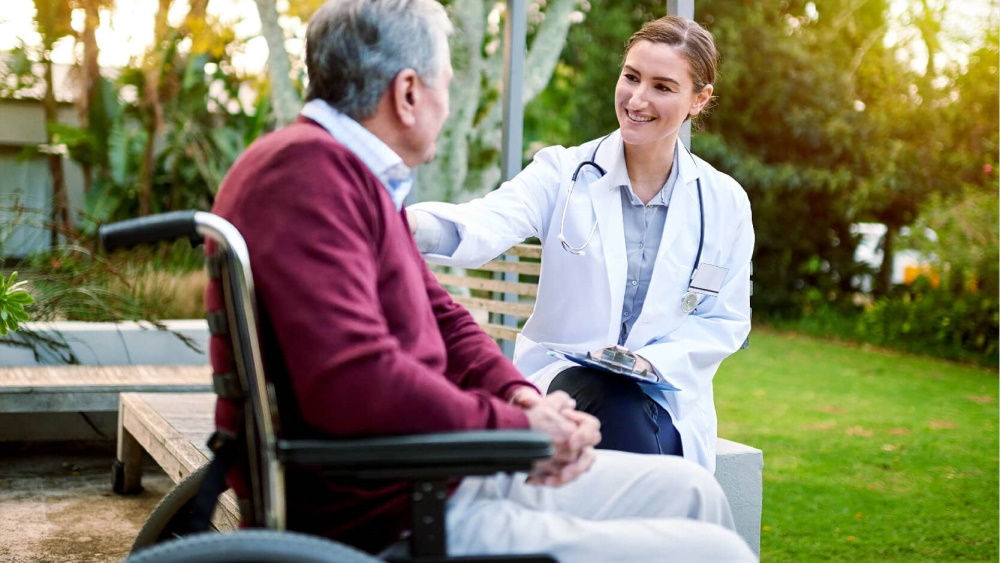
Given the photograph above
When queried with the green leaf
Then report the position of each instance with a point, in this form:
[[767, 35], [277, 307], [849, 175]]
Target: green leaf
[[21, 298]]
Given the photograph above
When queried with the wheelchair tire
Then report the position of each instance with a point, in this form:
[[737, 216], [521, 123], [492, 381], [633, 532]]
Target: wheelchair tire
[[166, 516], [251, 546]]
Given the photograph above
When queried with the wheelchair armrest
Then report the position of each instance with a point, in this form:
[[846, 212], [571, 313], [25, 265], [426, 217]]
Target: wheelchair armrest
[[443, 455]]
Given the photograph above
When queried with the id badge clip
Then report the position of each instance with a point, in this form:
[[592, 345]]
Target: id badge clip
[[706, 280]]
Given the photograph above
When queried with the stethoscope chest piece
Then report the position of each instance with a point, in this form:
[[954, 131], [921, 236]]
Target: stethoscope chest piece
[[689, 302]]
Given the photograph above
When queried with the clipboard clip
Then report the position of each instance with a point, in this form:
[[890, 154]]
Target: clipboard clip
[[616, 356]]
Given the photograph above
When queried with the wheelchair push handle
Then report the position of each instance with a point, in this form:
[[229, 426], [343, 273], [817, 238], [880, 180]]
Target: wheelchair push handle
[[154, 228]]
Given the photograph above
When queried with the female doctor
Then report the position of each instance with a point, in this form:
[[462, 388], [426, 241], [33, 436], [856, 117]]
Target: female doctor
[[644, 245]]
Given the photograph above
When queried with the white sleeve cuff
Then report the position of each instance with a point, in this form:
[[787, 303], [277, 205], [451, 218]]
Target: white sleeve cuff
[[434, 235]]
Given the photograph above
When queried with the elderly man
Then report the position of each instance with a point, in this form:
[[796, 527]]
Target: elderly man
[[365, 342]]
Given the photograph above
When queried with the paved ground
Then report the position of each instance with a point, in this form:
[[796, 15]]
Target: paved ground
[[56, 504]]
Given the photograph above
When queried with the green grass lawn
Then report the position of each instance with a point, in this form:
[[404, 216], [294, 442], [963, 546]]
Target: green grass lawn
[[868, 455]]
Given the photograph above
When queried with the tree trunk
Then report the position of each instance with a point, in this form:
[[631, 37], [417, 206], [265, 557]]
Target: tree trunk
[[91, 76], [284, 99], [888, 255], [540, 63], [152, 108], [60, 218]]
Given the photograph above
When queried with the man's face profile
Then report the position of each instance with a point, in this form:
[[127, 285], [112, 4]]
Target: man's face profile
[[432, 112]]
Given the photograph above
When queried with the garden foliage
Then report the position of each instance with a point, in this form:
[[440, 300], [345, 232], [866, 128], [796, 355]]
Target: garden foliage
[[826, 125], [822, 121]]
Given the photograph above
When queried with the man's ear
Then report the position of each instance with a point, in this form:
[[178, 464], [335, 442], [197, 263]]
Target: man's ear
[[405, 95]]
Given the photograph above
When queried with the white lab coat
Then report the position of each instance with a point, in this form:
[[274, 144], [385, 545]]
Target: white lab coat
[[580, 298]]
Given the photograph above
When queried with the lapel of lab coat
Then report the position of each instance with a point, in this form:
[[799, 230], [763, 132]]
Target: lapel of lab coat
[[678, 246], [607, 203]]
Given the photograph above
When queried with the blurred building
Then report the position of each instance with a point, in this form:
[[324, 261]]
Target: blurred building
[[25, 181], [907, 264]]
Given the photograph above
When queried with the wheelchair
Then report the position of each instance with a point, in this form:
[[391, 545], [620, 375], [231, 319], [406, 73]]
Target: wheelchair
[[179, 528]]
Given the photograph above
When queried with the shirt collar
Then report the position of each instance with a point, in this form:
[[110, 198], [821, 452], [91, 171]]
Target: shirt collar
[[620, 178], [383, 162]]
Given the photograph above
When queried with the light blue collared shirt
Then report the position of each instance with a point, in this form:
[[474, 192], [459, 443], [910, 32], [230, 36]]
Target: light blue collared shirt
[[383, 162], [643, 232]]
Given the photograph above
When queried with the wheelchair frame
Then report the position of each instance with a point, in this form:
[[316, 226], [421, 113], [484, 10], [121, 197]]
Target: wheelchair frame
[[429, 461]]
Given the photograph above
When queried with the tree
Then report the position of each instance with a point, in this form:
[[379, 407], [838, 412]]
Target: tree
[[822, 122], [52, 21], [153, 65], [285, 98], [577, 104], [170, 147], [964, 218], [469, 145], [88, 100]]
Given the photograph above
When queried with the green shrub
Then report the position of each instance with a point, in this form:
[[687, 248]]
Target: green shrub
[[73, 283], [927, 320], [919, 319]]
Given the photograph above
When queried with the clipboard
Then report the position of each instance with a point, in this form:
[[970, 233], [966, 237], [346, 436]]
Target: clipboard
[[639, 376]]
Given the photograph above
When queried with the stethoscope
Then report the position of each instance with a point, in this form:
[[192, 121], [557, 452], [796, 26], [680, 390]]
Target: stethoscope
[[690, 299]]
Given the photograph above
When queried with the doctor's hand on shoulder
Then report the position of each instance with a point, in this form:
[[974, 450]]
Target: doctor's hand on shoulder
[[411, 219], [574, 435]]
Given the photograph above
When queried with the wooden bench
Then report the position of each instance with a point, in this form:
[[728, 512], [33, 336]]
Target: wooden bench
[[76, 388], [501, 293], [43, 399], [173, 428]]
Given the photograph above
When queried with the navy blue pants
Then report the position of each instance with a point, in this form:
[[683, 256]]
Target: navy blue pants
[[630, 420]]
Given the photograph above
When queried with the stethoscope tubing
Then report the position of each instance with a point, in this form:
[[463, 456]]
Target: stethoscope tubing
[[579, 250]]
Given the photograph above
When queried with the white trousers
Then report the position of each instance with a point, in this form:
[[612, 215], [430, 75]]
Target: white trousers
[[627, 507]]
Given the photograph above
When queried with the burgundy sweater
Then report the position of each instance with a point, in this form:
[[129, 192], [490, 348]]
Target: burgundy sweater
[[357, 335]]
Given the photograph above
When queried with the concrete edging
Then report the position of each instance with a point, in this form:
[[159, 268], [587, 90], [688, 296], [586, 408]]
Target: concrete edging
[[126, 343]]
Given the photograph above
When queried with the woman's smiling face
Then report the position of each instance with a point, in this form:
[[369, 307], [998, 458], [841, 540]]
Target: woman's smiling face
[[655, 94]]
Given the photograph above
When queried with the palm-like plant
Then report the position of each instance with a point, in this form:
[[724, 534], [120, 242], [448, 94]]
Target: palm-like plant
[[13, 300]]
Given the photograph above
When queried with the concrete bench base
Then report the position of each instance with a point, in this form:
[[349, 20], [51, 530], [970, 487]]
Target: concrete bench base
[[125, 343], [739, 469]]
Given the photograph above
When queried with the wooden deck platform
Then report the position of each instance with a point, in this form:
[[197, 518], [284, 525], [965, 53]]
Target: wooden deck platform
[[173, 429]]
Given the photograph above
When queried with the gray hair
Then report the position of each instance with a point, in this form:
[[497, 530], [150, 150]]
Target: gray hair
[[354, 48]]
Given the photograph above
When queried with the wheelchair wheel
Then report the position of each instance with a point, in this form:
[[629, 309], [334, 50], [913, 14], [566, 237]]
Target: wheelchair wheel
[[170, 514], [251, 546]]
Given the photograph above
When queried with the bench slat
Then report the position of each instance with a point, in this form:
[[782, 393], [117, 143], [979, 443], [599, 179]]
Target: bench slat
[[480, 307], [32, 379], [173, 429], [500, 332], [522, 310], [86, 388], [529, 268], [525, 251], [528, 289]]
